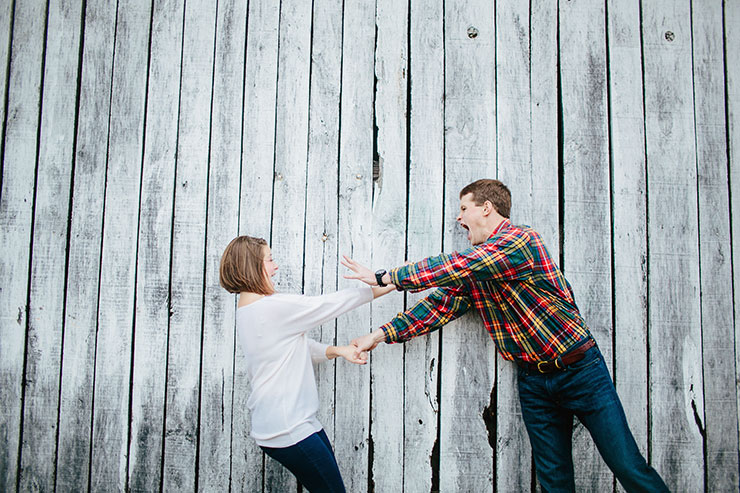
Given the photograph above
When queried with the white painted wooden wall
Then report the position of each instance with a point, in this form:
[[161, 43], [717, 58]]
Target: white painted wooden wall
[[140, 136]]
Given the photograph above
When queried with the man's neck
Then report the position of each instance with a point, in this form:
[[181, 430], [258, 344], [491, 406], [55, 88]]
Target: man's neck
[[496, 223]]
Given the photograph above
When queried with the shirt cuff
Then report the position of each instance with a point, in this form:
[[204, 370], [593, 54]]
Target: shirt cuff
[[391, 334], [396, 275]]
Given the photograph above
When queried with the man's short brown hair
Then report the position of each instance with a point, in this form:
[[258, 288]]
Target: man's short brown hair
[[242, 266], [492, 190]]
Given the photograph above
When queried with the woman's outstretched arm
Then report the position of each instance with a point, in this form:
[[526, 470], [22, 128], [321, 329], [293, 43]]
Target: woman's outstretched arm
[[378, 291]]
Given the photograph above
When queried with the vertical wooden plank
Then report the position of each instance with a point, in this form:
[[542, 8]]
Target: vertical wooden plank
[[629, 213], [118, 265], [545, 194], [16, 215], [424, 238], [543, 74], [355, 236], [51, 215], [86, 231], [731, 27], [388, 238], [291, 141], [6, 35], [222, 224], [674, 338], [289, 188], [720, 406], [155, 240], [255, 206], [468, 353], [515, 168], [320, 266], [188, 247], [586, 188]]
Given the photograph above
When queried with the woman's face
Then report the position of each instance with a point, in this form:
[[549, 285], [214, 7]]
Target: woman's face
[[270, 265]]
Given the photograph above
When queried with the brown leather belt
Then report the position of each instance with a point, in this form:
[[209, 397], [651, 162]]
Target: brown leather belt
[[560, 363]]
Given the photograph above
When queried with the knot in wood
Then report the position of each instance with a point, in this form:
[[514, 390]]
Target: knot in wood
[[669, 36], [279, 176], [358, 176], [324, 237], [472, 32]]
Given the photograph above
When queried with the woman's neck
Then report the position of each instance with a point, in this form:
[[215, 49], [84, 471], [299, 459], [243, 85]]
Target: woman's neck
[[247, 298]]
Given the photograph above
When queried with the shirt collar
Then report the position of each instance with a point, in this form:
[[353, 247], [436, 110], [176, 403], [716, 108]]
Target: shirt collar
[[503, 225]]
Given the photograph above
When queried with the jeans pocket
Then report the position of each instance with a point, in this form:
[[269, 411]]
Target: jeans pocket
[[590, 358]]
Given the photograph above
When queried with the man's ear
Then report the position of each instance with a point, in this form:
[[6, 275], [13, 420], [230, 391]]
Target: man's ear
[[487, 207]]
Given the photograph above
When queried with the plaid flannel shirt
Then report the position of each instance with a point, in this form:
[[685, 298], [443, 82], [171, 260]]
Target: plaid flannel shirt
[[525, 302]]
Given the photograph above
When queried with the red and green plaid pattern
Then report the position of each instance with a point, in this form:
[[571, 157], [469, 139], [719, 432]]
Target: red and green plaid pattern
[[525, 302]]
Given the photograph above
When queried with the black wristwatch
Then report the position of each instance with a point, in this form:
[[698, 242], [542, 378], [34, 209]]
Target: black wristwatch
[[379, 277]]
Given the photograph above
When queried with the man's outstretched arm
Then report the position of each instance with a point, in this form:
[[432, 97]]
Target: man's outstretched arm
[[440, 307], [507, 257]]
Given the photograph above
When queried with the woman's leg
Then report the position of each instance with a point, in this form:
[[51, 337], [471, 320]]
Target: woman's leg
[[312, 462]]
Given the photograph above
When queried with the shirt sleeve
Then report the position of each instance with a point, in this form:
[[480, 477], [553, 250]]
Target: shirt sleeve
[[442, 306], [302, 312], [502, 258], [318, 351]]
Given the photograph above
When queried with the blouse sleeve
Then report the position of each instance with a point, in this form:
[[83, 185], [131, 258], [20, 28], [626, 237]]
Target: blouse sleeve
[[302, 312], [318, 351]]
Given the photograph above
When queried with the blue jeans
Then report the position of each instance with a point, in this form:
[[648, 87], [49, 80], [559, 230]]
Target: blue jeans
[[584, 389], [312, 462]]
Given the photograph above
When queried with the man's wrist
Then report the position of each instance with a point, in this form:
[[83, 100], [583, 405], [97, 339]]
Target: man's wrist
[[378, 335]]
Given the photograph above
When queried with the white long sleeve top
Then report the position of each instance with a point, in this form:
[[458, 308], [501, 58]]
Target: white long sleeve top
[[279, 356]]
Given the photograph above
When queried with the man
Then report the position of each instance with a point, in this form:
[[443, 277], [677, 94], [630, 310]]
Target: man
[[529, 310]]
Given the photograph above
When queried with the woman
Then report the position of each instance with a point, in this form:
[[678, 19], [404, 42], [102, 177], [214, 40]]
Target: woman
[[272, 334]]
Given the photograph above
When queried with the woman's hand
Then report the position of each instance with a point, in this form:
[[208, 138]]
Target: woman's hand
[[361, 272], [350, 353]]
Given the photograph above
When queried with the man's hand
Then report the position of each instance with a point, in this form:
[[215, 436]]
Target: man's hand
[[361, 272], [350, 353], [368, 342]]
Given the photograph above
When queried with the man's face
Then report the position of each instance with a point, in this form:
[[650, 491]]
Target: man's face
[[472, 218]]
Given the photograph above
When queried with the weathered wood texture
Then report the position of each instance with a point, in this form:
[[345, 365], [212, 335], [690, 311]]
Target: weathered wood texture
[[389, 238], [111, 415], [137, 140], [586, 195], [467, 364], [629, 219], [424, 235], [674, 322]]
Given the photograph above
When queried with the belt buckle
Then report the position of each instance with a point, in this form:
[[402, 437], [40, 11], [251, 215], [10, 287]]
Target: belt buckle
[[556, 362]]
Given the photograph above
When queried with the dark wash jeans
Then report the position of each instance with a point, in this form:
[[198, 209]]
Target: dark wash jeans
[[584, 389], [312, 462]]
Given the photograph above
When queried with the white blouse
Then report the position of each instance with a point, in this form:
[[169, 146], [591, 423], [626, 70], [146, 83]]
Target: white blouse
[[279, 356]]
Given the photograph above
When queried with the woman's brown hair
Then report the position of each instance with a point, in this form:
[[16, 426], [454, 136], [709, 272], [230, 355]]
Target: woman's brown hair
[[242, 266]]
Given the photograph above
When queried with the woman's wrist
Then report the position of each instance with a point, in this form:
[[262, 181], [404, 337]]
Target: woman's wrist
[[380, 291]]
